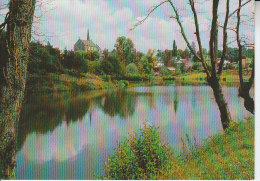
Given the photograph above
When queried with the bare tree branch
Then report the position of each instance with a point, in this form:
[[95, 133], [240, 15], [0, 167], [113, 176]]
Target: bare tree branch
[[191, 2], [220, 68], [238, 9], [2, 26], [177, 17], [152, 9], [213, 38]]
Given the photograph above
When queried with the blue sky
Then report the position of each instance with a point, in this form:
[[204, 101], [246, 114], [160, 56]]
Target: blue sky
[[62, 22]]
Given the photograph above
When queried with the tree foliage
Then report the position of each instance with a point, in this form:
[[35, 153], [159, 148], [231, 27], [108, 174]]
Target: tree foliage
[[124, 49], [44, 59]]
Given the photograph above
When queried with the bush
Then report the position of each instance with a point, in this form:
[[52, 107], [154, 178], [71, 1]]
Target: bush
[[95, 67], [112, 66], [139, 77], [165, 72], [44, 59], [139, 157], [107, 67], [132, 69], [177, 72]]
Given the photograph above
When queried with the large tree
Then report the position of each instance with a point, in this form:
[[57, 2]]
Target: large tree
[[124, 49], [213, 72], [18, 21]]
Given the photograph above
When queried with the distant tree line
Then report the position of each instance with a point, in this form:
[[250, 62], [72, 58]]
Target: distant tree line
[[123, 61]]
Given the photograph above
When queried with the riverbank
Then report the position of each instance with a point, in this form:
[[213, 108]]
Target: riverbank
[[49, 83], [64, 82], [229, 77], [228, 156], [86, 81]]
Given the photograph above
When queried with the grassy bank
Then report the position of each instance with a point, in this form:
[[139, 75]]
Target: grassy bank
[[226, 156], [143, 155], [82, 82], [228, 77], [65, 82]]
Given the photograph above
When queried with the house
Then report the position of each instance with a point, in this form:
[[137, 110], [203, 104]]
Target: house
[[171, 69], [86, 45], [174, 60], [158, 65]]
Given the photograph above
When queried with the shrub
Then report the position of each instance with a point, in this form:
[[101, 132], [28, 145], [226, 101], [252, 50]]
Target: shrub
[[139, 157], [126, 83], [139, 77], [95, 67], [165, 72], [132, 69], [107, 67], [177, 72]]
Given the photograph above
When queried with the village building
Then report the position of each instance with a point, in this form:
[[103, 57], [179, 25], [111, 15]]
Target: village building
[[86, 45]]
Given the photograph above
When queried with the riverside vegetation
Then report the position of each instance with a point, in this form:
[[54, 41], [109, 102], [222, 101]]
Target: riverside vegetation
[[51, 70], [224, 156]]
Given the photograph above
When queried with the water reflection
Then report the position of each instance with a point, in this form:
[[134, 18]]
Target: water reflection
[[68, 136]]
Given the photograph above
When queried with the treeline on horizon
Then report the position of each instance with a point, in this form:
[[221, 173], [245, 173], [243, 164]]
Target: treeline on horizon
[[122, 61]]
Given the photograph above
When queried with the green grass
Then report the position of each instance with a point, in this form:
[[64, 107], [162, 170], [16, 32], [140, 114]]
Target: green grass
[[65, 82], [228, 77], [225, 156]]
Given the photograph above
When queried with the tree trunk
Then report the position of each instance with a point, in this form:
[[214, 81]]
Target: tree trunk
[[221, 101], [213, 80], [18, 38], [249, 102], [244, 87]]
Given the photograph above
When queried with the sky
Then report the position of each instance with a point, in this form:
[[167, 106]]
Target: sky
[[62, 22]]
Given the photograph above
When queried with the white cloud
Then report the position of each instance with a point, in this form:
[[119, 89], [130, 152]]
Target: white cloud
[[69, 19]]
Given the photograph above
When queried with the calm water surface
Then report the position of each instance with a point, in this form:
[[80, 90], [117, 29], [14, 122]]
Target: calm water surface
[[69, 136]]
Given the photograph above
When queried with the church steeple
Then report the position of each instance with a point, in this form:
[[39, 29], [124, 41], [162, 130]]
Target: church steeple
[[88, 35]]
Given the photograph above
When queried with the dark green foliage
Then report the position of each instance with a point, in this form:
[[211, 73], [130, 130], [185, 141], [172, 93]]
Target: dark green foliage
[[75, 60], [107, 67], [44, 59], [137, 77], [174, 50], [139, 157], [232, 54], [112, 66], [186, 53]]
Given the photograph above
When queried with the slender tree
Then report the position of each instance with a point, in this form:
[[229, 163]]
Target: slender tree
[[18, 21], [174, 49]]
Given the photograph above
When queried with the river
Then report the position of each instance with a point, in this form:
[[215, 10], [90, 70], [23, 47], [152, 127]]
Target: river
[[70, 135]]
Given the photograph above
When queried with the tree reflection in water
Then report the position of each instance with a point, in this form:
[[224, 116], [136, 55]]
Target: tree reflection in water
[[42, 114], [176, 98]]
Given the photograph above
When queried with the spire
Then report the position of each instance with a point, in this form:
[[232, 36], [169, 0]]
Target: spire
[[88, 35]]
